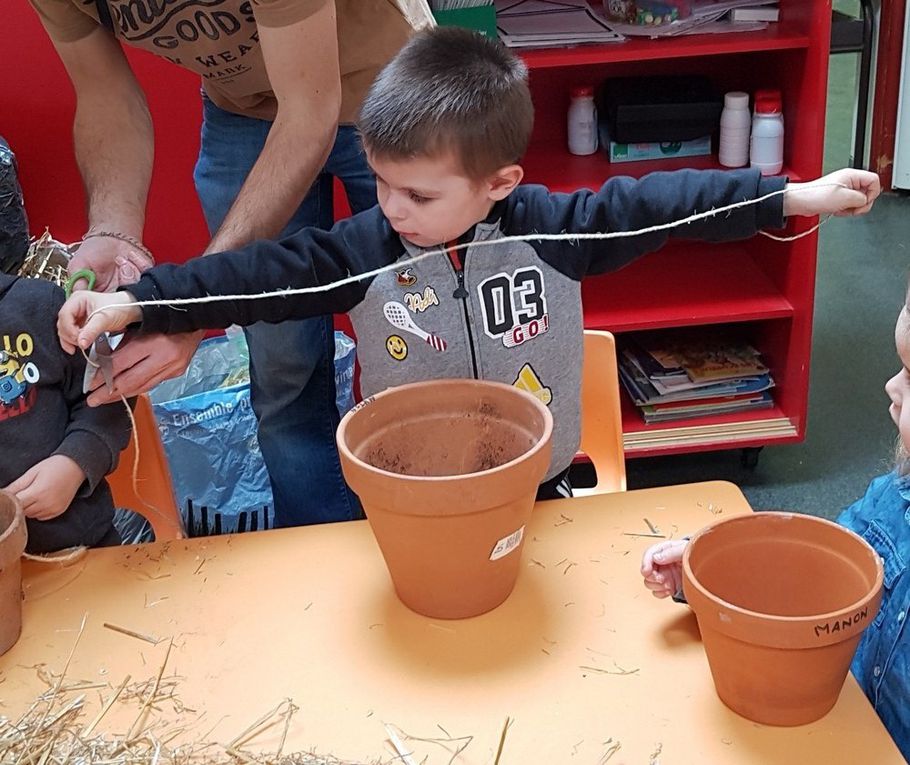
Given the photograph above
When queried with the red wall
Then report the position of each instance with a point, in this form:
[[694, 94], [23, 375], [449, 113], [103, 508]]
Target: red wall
[[36, 111]]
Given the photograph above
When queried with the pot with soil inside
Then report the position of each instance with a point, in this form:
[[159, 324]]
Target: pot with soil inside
[[447, 471], [781, 600], [12, 545]]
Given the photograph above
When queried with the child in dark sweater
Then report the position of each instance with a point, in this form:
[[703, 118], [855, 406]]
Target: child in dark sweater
[[56, 449]]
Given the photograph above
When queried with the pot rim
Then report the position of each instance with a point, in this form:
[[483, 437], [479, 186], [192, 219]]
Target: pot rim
[[17, 524], [541, 444], [710, 596]]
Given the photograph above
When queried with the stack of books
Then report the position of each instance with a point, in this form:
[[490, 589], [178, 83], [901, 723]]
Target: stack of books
[[759, 11], [551, 24], [674, 377]]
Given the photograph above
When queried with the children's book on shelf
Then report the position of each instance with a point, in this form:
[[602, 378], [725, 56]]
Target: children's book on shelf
[[671, 377]]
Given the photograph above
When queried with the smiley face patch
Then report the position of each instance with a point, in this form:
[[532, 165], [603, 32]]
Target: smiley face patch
[[397, 348]]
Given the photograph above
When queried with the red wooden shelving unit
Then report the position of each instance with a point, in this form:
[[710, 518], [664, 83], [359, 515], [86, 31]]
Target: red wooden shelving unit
[[762, 287]]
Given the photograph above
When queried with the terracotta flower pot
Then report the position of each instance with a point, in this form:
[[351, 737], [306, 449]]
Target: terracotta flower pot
[[781, 602], [12, 545], [447, 471]]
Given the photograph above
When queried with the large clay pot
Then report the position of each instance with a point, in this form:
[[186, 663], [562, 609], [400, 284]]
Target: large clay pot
[[447, 471], [12, 545], [781, 602]]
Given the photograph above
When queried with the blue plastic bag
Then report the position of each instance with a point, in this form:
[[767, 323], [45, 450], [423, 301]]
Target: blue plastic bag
[[208, 430]]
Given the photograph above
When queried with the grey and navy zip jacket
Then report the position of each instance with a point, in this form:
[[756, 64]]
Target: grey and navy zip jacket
[[510, 312]]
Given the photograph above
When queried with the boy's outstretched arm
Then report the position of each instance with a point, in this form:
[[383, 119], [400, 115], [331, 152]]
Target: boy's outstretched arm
[[629, 205], [308, 258]]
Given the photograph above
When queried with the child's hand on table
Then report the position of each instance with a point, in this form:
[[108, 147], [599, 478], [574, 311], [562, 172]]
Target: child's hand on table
[[661, 566]]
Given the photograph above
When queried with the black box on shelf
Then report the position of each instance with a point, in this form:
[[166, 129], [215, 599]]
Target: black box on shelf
[[659, 109]]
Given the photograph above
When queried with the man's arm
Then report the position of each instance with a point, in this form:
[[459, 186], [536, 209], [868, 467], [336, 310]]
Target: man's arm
[[302, 64], [114, 143]]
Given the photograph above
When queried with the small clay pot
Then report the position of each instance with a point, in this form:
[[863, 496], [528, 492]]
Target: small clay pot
[[447, 471], [781, 601], [12, 544]]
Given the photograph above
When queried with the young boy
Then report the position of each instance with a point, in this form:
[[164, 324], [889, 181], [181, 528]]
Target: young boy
[[444, 127], [57, 449]]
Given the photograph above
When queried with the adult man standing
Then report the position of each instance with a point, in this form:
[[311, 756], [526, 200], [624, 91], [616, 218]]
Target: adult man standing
[[281, 82]]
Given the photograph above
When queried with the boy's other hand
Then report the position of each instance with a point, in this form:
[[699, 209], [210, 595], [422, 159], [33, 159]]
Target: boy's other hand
[[47, 488], [78, 324], [827, 195], [661, 566]]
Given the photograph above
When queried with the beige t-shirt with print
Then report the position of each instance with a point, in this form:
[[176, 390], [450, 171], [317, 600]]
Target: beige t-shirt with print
[[219, 40]]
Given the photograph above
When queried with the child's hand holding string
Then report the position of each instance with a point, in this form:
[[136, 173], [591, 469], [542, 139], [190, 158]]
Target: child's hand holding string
[[81, 319], [843, 192]]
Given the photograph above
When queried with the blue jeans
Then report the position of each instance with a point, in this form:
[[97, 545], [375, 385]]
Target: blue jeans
[[292, 370]]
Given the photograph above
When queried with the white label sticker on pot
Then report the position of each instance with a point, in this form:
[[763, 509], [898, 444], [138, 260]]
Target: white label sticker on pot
[[505, 545]]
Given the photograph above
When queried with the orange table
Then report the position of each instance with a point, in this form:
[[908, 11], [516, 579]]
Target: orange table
[[580, 656]]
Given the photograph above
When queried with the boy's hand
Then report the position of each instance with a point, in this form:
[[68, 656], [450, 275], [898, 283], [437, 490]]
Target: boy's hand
[[78, 328], [47, 489], [661, 566], [822, 197]]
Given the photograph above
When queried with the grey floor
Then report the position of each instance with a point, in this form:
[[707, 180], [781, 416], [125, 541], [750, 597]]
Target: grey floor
[[863, 265]]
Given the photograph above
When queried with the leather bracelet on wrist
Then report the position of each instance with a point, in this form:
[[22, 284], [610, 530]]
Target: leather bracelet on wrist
[[131, 240]]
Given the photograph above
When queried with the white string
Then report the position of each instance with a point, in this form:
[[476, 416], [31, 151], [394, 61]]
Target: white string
[[399, 264], [134, 431], [800, 235]]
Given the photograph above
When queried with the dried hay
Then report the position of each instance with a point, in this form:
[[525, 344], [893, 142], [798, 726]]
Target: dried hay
[[47, 259], [53, 731]]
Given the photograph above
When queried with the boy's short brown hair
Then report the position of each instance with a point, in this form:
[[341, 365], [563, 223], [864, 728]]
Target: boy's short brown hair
[[451, 90]]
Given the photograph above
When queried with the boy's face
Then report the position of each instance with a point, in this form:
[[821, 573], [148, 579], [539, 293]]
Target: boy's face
[[898, 387], [429, 201]]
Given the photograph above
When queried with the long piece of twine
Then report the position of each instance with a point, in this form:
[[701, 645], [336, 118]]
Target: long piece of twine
[[397, 265], [536, 237]]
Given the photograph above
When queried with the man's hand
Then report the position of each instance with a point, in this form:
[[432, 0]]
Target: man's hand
[[47, 489], [140, 363], [827, 195], [114, 263], [86, 315]]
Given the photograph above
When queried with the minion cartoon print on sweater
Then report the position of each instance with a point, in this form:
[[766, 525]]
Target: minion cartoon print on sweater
[[18, 375]]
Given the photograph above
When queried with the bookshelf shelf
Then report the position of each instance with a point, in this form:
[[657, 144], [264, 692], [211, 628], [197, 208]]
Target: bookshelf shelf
[[551, 164], [765, 286], [781, 36], [683, 284]]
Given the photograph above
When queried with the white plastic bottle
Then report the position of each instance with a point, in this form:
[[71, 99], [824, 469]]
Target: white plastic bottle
[[735, 129], [582, 121], [767, 151]]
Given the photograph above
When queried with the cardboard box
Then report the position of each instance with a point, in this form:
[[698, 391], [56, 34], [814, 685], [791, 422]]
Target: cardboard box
[[634, 152]]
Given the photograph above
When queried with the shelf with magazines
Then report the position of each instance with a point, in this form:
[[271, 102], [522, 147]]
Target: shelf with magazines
[[745, 407], [764, 288]]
